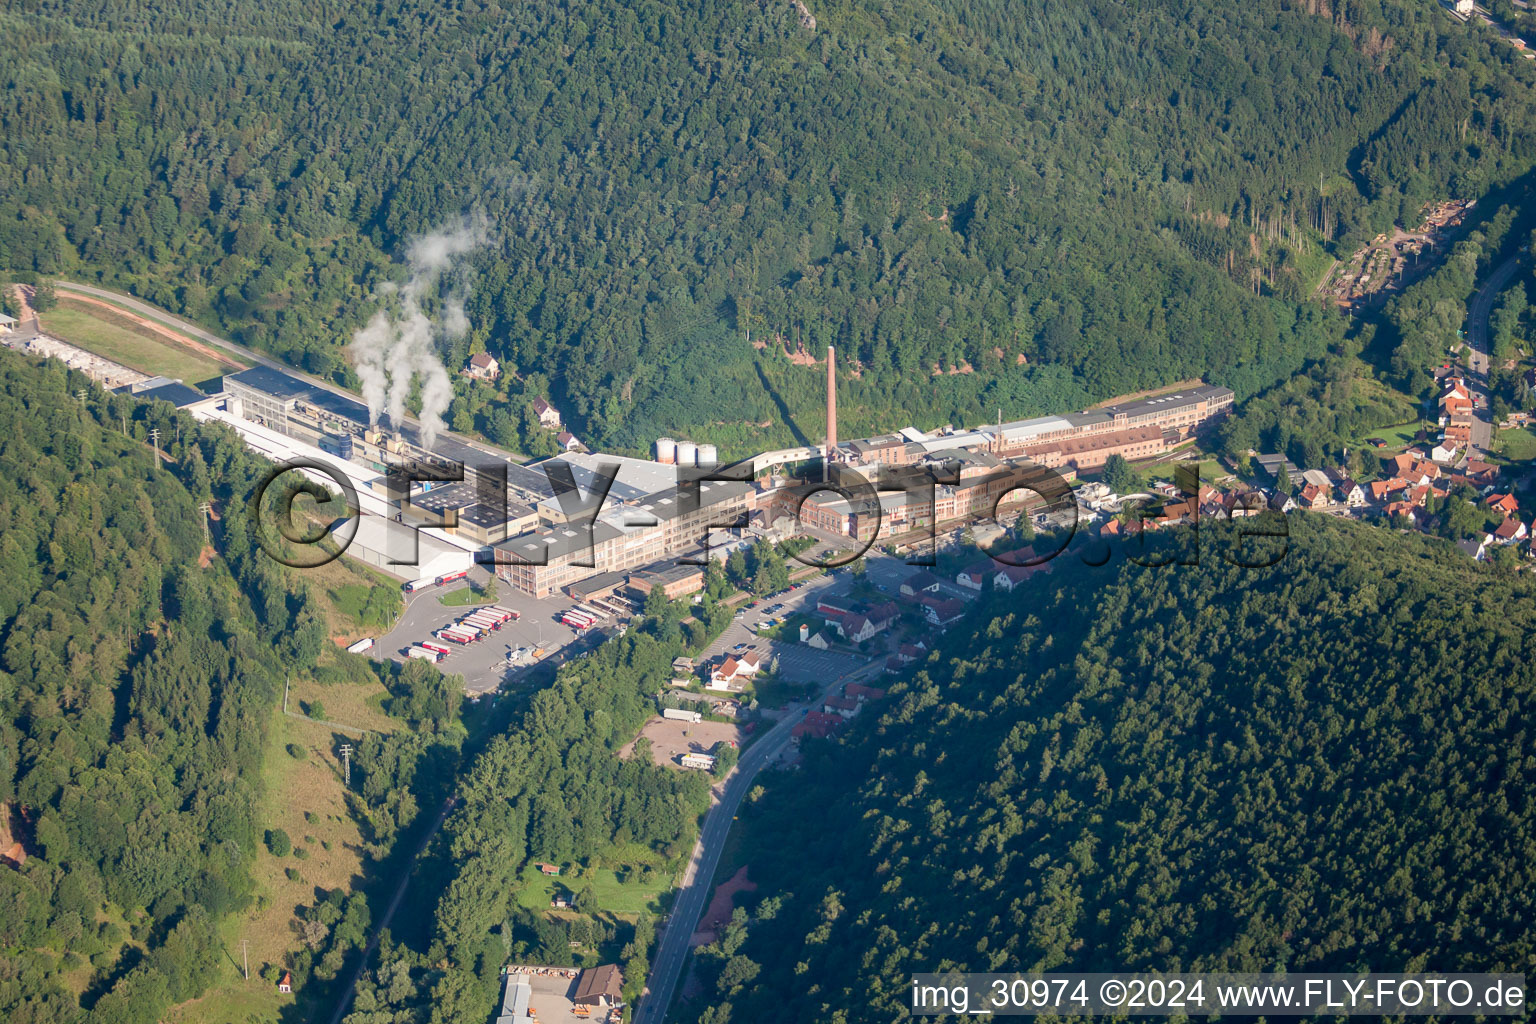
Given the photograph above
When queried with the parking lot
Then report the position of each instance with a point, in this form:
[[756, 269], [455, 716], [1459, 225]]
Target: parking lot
[[482, 664], [799, 663]]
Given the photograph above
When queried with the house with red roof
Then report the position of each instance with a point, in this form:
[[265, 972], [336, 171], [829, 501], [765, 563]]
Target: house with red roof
[[817, 724], [1313, 496], [943, 613], [847, 707], [1504, 504]]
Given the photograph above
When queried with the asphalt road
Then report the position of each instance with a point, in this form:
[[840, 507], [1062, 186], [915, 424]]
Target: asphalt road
[[1477, 338], [672, 953]]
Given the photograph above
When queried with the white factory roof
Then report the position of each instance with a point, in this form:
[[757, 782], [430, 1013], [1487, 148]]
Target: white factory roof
[[281, 448], [1024, 430], [961, 440], [636, 477], [912, 434]]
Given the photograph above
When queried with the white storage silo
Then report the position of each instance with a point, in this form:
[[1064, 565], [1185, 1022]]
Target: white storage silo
[[687, 453], [666, 450], [709, 455]]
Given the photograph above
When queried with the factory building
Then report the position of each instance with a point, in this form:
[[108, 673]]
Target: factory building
[[627, 534]]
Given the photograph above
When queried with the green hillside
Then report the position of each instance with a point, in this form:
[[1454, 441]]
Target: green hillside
[[1321, 766], [1047, 204]]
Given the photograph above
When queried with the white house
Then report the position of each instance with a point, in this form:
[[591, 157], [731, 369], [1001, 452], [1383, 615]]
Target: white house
[[1351, 494], [548, 415], [974, 577], [732, 671], [482, 367]]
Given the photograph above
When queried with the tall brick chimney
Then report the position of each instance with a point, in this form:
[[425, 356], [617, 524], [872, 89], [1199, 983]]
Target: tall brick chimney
[[831, 403]]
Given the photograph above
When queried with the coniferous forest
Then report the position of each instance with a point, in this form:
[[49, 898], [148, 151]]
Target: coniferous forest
[[1324, 765], [987, 206]]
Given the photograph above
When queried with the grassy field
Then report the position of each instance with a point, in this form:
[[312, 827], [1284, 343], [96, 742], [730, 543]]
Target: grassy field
[[305, 799], [626, 898], [121, 340], [360, 704], [470, 595], [1518, 445]]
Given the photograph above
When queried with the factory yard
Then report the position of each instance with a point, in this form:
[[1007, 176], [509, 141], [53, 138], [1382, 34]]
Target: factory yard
[[670, 740], [483, 664]]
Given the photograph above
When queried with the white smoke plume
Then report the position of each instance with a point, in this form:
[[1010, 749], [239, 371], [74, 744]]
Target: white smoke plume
[[400, 342]]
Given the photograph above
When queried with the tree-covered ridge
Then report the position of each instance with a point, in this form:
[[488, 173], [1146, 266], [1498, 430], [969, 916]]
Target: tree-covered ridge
[[137, 680], [1324, 765], [1095, 187]]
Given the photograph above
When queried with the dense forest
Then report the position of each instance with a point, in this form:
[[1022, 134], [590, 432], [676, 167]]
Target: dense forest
[[1324, 765], [986, 206], [138, 676]]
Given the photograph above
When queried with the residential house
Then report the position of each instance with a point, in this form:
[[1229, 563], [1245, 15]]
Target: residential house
[[1445, 451], [818, 725], [1010, 576], [285, 983], [944, 613], [818, 641], [567, 440], [549, 416], [860, 692], [855, 628], [920, 582], [1313, 496], [844, 706], [1504, 504], [1382, 490], [1242, 504], [974, 576], [1351, 494], [1510, 531], [1473, 548], [482, 367], [1480, 473], [730, 672], [1279, 502], [547, 868], [883, 615]]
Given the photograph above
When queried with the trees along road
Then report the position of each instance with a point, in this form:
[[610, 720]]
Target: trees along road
[[1477, 337], [672, 952]]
